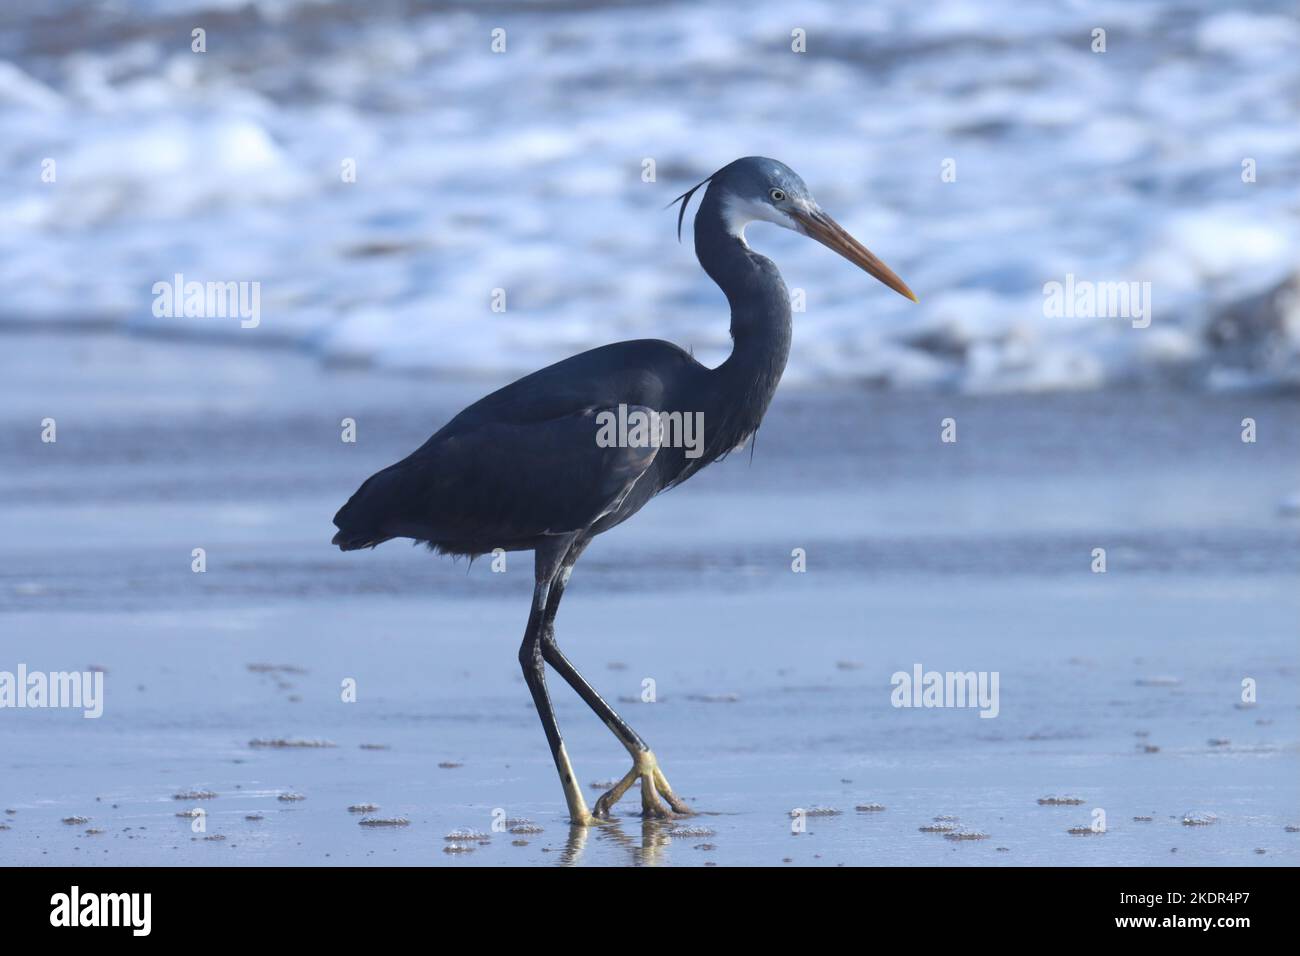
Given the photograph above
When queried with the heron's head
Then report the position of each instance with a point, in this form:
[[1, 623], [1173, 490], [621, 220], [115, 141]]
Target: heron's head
[[759, 189]]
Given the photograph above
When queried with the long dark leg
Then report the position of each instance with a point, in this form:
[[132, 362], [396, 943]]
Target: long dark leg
[[644, 765], [552, 654], [530, 659]]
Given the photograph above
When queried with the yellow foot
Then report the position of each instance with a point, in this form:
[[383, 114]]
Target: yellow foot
[[586, 819], [653, 786]]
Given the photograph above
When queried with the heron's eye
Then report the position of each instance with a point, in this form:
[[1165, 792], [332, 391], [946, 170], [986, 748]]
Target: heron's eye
[[777, 195]]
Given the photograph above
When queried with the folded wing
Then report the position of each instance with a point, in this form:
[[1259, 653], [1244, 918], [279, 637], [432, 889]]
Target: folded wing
[[494, 484]]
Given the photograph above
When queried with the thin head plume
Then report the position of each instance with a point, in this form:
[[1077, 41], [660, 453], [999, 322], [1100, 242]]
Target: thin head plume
[[685, 200]]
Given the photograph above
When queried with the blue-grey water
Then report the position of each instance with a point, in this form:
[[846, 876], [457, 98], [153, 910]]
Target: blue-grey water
[[982, 149], [385, 178]]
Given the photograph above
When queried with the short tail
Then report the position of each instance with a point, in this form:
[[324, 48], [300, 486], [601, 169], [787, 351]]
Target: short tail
[[352, 541], [357, 523]]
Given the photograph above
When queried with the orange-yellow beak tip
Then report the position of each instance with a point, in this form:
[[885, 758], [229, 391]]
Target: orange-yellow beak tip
[[831, 234]]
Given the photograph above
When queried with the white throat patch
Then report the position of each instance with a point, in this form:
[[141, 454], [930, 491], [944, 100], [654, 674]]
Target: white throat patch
[[737, 213]]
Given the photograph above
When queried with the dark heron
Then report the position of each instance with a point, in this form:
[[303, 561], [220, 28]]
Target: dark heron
[[526, 469]]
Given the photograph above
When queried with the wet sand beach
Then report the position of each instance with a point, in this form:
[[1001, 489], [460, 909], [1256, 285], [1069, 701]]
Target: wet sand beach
[[1119, 692]]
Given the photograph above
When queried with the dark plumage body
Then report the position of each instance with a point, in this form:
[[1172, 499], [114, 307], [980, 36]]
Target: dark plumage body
[[521, 469], [523, 462]]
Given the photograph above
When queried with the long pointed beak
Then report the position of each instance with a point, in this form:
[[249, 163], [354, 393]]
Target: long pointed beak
[[832, 235]]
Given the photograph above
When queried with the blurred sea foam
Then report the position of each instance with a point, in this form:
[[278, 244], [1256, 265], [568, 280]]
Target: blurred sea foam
[[523, 171]]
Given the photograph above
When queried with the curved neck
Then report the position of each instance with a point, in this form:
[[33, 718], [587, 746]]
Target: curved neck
[[760, 329], [760, 304]]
